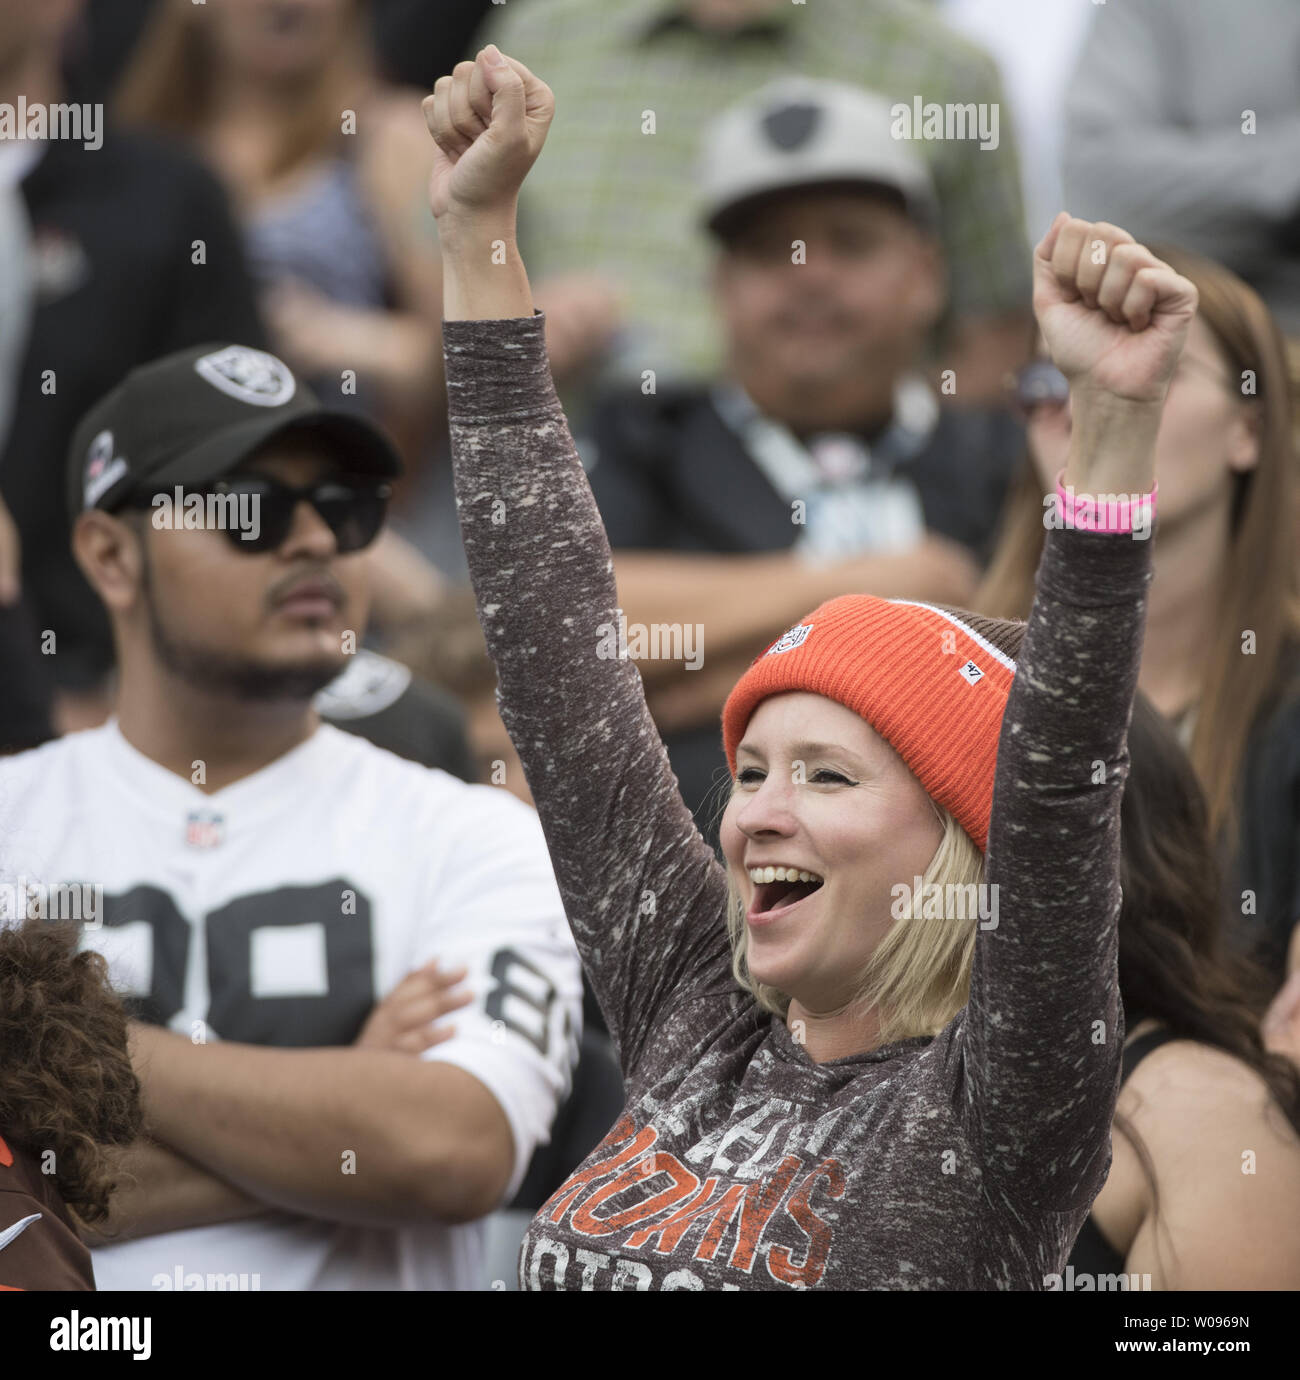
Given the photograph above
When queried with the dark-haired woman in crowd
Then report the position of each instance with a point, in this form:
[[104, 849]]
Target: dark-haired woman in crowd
[[327, 167], [1204, 1184], [68, 1097], [324, 165], [1221, 658]]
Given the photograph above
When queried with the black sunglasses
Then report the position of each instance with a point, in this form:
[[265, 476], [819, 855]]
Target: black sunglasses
[[353, 509], [1040, 381]]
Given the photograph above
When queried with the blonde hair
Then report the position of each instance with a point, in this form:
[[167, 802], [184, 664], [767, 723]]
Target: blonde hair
[[918, 978]]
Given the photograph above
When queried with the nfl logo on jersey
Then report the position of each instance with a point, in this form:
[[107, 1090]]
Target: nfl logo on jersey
[[204, 828]]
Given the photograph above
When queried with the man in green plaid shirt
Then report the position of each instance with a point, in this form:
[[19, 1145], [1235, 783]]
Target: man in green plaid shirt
[[636, 81]]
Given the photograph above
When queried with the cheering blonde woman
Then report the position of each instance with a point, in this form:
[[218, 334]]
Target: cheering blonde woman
[[835, 1076]]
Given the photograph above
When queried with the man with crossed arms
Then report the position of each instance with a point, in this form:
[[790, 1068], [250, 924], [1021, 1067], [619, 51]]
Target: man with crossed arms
[[277, 893]]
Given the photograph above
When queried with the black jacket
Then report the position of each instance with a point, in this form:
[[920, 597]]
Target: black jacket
[[114, 229]]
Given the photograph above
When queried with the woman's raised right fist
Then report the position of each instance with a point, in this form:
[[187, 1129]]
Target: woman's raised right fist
[[489, 121]]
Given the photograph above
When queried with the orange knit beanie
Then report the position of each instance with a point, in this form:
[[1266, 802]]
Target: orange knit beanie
[[932, 681]]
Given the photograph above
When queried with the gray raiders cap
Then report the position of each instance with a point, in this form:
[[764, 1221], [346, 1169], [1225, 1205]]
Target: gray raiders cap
[[803, 132]]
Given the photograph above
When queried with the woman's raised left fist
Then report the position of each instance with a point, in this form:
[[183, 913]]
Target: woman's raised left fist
[[1113, 315]]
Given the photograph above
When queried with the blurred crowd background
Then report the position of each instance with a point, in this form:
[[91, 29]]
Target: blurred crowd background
[[890, 381]]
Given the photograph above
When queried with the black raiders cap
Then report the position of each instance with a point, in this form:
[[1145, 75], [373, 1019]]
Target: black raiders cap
[[193, 416]]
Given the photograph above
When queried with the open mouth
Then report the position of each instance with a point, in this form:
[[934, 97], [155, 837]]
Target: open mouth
[[780, 889]]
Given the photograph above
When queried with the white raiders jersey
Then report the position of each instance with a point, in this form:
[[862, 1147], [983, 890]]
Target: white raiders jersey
[[278, 911]]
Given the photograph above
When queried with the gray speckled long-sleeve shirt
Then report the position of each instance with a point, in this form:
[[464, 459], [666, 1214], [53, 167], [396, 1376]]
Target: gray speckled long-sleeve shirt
[[963, 1161]]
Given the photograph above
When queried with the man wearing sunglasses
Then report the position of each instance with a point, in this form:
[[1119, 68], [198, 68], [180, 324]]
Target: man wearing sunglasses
[[271, 892]]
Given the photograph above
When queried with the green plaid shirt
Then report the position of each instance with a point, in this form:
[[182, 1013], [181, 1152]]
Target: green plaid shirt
[[605, 196]]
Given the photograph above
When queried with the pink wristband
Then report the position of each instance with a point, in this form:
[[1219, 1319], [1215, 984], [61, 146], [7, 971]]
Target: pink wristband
[[1086, 514]]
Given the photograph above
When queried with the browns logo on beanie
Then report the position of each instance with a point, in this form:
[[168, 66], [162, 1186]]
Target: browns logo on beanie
[[933, 681]]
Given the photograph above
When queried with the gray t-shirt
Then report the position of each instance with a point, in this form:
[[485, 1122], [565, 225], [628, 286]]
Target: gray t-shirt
[[963, 1161]]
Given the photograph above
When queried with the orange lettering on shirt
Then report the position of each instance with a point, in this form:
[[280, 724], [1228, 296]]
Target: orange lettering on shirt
[[780, 1264], [564, 1196], [683, 1183], [722, 1212], [703, 1206], [761, 1201], [674, 1226]]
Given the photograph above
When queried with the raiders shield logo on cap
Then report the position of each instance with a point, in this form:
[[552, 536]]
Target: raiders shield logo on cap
[[100, 474], [252, 376]]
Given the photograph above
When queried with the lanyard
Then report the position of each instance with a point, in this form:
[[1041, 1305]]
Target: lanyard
[[847, 496]]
